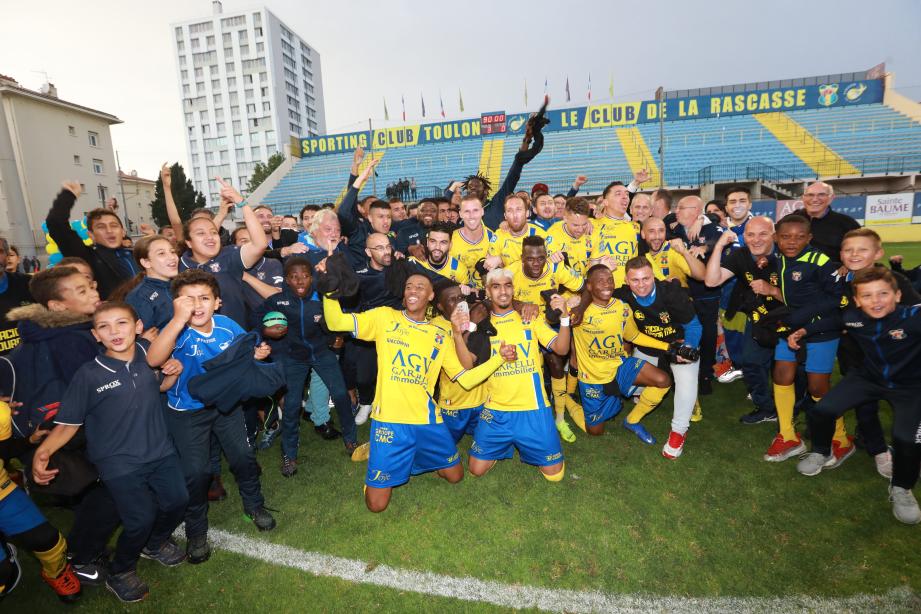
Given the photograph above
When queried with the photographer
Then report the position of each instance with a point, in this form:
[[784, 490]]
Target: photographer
[[663, 310]]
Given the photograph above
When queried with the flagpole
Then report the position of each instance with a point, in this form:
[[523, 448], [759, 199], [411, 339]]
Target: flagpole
[[660, 94], [371, 141]]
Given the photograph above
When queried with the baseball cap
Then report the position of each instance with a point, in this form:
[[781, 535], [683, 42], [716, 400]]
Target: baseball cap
[[540, 187], [274, 318]]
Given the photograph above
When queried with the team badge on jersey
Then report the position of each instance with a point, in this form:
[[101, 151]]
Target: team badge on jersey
[[664, 317], [773, 279], [215, 267], [797, 275], [898, 334], [639, 315]]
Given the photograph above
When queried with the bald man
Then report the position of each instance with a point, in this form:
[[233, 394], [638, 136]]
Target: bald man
[[828, 227], [753, 261], [688, 212]]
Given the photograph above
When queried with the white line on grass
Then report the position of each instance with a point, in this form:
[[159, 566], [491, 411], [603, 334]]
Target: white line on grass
[[551, 600]]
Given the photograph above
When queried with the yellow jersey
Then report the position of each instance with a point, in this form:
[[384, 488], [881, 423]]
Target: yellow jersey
[[410, 356], [599, 340], [469, 253], [452, 268], [6, 432], [669, 264], [578, 251], [519, 385], [615, 238], [451, 395], [508, 246], [555, 274]]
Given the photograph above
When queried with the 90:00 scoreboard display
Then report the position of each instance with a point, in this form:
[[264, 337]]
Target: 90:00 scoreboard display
[[492, 123]]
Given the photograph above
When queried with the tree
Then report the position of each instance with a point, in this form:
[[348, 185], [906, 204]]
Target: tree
[[186, 196], [262, 171]]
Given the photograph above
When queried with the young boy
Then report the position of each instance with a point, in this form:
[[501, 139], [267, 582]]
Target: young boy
[[194, 336], [861, 249], [810, 288], [117, 397], [888, 335]]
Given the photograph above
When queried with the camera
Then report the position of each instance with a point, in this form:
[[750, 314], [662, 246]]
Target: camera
[[677, 350]]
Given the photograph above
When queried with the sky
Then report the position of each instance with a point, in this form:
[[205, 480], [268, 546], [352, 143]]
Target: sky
[[116, 55]]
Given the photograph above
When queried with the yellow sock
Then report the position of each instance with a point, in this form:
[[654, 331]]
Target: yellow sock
[[572, 382], [650, 397], [558, 388], [556, 477], [53, 561], [576, 413], [841, 433], [784, 399]]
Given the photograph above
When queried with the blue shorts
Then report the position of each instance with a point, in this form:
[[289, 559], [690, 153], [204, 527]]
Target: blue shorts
[[461, 422], [401, 450], [600, 407], [18, 514], [532, 432], [820, 355]]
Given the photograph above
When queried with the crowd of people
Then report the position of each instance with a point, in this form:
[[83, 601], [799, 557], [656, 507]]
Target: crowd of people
[[507, 316]]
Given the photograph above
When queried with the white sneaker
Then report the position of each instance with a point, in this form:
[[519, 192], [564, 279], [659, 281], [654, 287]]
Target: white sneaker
[[904, 505], [363, 412], [883, 462], [730, 376], [331, 404]]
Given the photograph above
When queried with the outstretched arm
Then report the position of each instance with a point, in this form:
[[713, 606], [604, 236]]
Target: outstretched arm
[[172, 211], [58, 222], [252, 251]]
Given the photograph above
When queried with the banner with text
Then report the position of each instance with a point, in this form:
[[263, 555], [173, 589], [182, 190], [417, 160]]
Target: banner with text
[[610, 115], [885, 209]]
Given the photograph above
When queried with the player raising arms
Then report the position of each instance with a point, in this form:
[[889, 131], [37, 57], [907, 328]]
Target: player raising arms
[[408, 435], [605, 373]]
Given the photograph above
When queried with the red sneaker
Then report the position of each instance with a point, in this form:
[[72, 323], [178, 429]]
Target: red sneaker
[[66, 585], [782, 449], [674, 447], [840, 453]]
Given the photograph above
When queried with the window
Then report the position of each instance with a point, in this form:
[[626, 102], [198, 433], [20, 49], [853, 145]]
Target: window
[[247, 79], [231, 82], [242, 36], [239, 153], [260, 47], [218, 99], [178, 38], [263, 77], [210, 41], [205, 26], [77, 160], [244, 50], [83, 188], [258, 32], [310, 88], [266, 106], [206, 130], [270, 136], [101, 192], [234, 98], [254, 153], [186, 90], [229, 67], [294, 128], [203, 116], [195, 159], [215, 85], [251, 108], [238, 139], [249, 94], [227, 39], [235, 111], [196, 43], [94, 138], [71, 131], [228, 53], [182, 60], [189, 118], [294, 115], [184, 74], [233, 22], [312, 124], [199, 73], [286, 45], [257, 19], [270, 149], [180, 46], [200, 87], [254, 122], [264, 91], [219, 128], [291, 88], [97, 166], [237, 126]]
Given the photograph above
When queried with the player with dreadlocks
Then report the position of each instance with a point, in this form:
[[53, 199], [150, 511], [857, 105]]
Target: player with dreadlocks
[[480, 214]]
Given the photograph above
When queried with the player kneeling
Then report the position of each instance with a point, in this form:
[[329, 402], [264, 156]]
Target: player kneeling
[[606, 374], [888, 335], [663, 310]]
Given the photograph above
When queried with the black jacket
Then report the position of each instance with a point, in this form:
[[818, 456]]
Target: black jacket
[[109, 269]]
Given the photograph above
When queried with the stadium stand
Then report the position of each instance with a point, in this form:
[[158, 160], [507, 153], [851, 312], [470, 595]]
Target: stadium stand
[[846, 130]]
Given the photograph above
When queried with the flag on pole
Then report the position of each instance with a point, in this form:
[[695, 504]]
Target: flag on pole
[[526, 92], [386, 112], [567, 88], [460, 98], [589, 86], [403, 101], [611, 86], [441, 103], [422, 98], [545, 86]]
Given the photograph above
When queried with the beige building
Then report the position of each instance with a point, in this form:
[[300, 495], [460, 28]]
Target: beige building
[[43, 141], [135, 195]]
